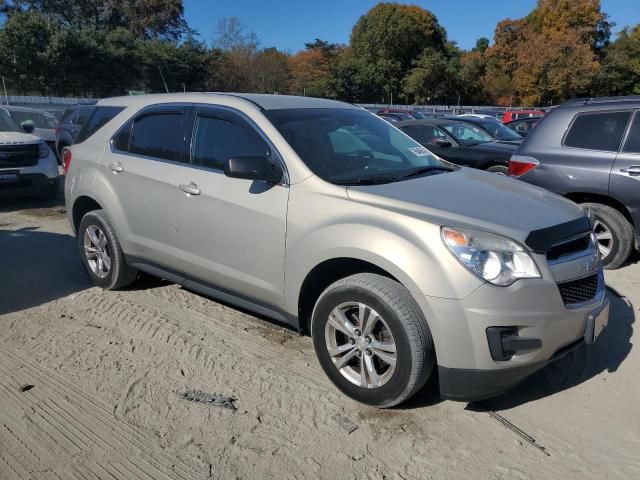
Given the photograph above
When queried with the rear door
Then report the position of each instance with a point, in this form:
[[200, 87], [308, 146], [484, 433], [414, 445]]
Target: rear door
[[625, 176], [146, 157], [231, 232]]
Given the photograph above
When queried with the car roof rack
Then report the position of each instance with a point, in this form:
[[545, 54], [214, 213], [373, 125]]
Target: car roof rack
[[598, 100]]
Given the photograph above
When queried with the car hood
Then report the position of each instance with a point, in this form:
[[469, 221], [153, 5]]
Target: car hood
[[496, 147], [472, 198], [13, 138]]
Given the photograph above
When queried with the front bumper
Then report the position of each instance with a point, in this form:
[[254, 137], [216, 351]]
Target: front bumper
[[38, 179], [533, 308]]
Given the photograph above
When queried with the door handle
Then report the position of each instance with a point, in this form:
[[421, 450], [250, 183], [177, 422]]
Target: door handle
[[190, 189], [116, 167], [633, 170]]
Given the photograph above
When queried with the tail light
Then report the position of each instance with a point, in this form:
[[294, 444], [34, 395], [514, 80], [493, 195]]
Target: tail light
[[66, 160], [520, 164]]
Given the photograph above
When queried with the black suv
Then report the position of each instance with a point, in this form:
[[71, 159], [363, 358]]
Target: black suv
[[588, 150]]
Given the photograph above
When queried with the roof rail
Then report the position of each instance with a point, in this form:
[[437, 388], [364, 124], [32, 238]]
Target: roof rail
[[597, 100]]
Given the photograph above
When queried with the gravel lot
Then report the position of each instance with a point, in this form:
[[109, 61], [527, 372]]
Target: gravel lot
[[89, 382]]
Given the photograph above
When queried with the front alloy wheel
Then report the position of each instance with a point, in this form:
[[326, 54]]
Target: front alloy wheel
[[372, 340]]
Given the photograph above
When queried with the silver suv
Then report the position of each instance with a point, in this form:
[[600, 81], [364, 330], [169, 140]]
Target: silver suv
[[318, 214]]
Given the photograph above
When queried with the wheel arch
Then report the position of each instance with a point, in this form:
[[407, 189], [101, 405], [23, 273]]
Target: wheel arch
[[583, 197], [81, 206], [324, 274]]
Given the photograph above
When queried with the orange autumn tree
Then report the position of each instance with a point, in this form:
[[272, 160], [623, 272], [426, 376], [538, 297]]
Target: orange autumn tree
[[548, 56]]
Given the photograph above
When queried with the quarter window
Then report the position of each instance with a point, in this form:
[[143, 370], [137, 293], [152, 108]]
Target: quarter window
[[632, 144], [158, 135], [218, 138], [598, 131]]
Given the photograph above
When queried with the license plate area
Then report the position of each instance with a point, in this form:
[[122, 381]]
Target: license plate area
[[9, 177], [596, 323]]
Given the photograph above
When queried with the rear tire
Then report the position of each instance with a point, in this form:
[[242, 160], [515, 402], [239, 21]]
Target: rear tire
[[384, 353], [101, 253], [613, 232]]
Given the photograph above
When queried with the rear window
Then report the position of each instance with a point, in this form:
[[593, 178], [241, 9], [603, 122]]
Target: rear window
[[83, 115], [597, 131], [158, 135], [100, 116]]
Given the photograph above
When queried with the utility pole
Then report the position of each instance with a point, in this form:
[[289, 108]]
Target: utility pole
[[6, 97], [162, 76]]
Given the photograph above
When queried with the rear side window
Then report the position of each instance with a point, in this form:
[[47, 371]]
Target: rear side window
[[159, 135], [632, 145], [66, 116], [218, 138], [423, 133], [101, 115], [597, 131], [83, 116]]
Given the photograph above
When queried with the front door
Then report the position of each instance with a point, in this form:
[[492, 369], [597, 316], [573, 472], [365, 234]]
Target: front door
[[231, 232]]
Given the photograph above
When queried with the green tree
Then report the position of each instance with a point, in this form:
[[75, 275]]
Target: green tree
[[390, 37], [620, 73]]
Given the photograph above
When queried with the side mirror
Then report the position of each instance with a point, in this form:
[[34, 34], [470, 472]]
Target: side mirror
[[28, 127], [256, 168], [439, 142]]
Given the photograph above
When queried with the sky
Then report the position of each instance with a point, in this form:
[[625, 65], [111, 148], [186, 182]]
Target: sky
[[288, 24]]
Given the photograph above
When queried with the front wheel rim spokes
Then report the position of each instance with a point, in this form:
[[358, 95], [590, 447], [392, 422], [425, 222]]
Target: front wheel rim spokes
[[361, 345]]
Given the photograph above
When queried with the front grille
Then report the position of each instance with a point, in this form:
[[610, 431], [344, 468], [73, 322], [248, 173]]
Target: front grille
[[578, 291], [18, 155], [568, 248]]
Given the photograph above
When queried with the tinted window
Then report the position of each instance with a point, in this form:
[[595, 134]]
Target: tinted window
[[67, 115], [632, 145], [101, 115], [83, 116], [597, 131], [158, 135], [121, 140], [219, 138]]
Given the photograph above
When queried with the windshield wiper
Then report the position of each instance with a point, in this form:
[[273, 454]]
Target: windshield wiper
[[423, 170]]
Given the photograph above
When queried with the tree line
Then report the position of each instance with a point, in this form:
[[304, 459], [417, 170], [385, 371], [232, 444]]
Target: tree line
[[98, 48]]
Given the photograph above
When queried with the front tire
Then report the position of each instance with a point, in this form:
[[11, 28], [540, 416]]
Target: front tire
[[613, 232], [101, 252], [372, 340]]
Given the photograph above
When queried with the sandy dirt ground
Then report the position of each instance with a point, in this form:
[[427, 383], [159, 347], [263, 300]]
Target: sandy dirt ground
[[89, 382]]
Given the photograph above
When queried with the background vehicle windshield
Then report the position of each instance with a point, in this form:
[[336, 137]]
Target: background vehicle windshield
[[499, 131], [466, 134], [7, 124], [350, 146]]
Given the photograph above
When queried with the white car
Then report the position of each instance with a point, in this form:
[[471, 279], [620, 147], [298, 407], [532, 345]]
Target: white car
[[27, 164]]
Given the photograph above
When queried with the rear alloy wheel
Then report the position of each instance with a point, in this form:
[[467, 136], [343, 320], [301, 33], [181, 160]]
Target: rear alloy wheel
[[613, 232], [101, 253], [372, 339]]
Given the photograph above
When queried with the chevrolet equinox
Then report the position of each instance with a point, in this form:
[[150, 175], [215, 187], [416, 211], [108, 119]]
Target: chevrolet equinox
[[319, 214]]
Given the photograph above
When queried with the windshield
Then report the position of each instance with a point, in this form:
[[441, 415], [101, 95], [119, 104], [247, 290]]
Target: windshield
[[347, 146], [467, 134], [499, 131], [6, 123]]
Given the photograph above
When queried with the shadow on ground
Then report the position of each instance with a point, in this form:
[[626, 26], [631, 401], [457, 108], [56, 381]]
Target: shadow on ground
[[37, 267], [607, 354]]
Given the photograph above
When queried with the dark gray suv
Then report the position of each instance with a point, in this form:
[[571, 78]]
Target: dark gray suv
[[588, 150]]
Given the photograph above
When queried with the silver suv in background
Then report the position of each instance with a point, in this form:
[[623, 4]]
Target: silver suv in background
[[588, 150], [323, 216]]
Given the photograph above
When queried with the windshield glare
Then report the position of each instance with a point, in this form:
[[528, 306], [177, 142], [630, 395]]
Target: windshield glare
[[349, 146], [6, 123], [467, 134]]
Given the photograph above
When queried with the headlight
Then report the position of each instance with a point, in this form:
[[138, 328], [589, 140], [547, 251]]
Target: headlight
[[43, 150], [494, 258]]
